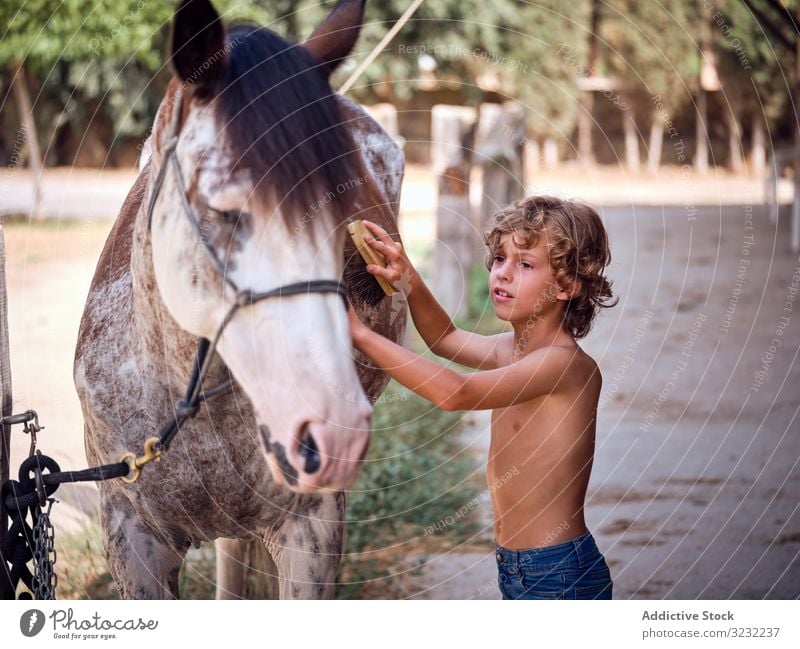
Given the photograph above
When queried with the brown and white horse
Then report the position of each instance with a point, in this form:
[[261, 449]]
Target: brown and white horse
[[255, 167]]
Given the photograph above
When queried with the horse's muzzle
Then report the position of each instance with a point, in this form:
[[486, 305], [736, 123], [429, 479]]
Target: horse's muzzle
[[320, 456]]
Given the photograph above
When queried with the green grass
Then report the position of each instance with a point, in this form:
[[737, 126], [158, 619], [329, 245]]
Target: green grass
[[81, 565], [416, 474]]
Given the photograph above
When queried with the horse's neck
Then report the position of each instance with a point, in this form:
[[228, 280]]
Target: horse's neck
[[168, 348]]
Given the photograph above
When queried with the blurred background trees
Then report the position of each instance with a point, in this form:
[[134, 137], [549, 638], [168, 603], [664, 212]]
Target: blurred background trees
[[601, 81]]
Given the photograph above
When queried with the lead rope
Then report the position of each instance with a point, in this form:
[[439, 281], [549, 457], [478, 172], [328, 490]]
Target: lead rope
[[31, 535], [40, 476]]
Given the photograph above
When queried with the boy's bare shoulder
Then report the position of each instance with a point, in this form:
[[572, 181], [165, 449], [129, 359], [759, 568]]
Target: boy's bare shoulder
[[573, 365], [560, 369], [583, 369]]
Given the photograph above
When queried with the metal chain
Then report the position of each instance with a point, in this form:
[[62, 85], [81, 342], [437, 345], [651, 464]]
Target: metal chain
[[44, 555]]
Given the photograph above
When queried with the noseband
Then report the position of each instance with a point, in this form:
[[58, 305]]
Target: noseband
[[190, 404]]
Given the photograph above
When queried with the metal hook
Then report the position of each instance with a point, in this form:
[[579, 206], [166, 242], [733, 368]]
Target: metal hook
[[135, 464], [51, 502], [40, 492], [32, 429]]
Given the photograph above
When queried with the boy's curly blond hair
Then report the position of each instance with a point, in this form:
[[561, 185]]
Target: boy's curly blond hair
[[578, 249]]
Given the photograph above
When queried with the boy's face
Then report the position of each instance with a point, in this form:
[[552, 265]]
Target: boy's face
[[521, 281]]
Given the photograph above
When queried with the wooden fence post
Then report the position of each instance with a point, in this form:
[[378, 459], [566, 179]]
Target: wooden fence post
[[499, 147], [453, 135]]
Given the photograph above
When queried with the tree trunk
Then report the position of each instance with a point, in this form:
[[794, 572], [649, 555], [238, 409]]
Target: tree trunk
[[734, 142], [23, 99], [585, 116], [632, 161], [759, 151], [452, 135], [701, 134], [585, 150], [656, 144]]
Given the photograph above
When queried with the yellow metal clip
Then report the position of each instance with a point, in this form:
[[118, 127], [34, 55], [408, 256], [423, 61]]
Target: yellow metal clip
[[136, 463]]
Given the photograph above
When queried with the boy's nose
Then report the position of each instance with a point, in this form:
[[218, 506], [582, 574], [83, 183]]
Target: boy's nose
[[504, 272]]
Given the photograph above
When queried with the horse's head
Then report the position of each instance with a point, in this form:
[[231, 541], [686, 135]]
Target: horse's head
[[268, 170]]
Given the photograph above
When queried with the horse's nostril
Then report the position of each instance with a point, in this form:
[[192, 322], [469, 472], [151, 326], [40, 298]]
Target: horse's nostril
[[309, 452]]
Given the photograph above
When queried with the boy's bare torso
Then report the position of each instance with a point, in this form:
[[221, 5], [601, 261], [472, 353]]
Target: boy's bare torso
[[540, 458]]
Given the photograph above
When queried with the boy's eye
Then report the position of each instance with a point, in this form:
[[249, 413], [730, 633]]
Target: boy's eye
[[526, 265], [498, 259]]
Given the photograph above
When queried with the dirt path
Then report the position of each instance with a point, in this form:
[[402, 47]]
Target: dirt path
[[48, 271], [98, 193], [695, 490]]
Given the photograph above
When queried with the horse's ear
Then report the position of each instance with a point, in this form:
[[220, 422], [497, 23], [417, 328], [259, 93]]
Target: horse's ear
[[198, 44], [334, 39]]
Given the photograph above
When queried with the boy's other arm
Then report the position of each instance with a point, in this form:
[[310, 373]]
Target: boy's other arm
[[536, 374], [435, 326]]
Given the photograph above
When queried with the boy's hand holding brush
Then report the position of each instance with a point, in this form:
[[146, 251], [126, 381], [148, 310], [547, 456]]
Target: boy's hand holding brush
[[385, 258]]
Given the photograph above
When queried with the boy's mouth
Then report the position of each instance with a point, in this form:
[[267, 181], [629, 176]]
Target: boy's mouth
[[501, 295]]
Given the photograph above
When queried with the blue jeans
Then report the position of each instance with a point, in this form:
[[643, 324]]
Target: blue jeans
[[572, 570]]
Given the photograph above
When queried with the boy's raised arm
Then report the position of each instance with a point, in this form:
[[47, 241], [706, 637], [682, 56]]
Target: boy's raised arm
[[532, 376], [431, 320]]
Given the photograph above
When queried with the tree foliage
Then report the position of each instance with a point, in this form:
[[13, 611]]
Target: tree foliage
[[756, 66], [653, 49], [95, 61]]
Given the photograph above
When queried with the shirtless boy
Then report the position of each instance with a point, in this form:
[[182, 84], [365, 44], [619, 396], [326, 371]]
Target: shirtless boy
[[546, 259]]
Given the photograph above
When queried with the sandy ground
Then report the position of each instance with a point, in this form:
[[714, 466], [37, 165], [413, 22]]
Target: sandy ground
[[695, 488], [48, 271]]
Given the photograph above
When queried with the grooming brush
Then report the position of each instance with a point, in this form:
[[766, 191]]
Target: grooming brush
[[359, 279]]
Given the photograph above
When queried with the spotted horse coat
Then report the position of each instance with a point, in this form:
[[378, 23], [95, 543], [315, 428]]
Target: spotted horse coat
[[133, 361]]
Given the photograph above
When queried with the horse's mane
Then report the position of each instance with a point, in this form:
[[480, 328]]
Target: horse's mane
[[282, 119]]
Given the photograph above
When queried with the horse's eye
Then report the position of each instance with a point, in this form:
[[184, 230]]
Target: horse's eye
[[231, 217], [226, 217]]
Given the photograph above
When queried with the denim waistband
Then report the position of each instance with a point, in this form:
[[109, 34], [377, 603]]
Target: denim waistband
[[581, 551]]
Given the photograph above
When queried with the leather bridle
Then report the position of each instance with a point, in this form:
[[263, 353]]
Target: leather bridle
[[190, 404]]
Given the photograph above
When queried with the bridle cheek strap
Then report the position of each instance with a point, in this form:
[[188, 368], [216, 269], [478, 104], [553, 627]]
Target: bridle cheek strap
[[189, 405]]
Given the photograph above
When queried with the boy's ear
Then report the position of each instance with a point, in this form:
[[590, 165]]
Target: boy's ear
[[570, 291]]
